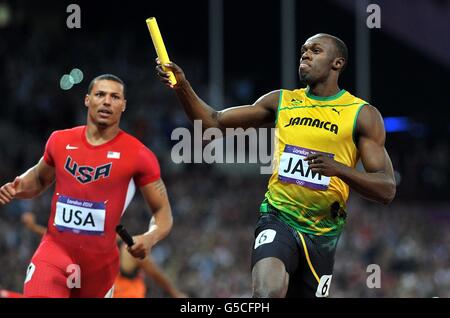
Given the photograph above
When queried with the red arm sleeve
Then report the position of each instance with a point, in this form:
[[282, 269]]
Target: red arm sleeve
[[147, 166]]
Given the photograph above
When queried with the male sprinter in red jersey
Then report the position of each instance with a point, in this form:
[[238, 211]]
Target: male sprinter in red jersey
[[96, 168]]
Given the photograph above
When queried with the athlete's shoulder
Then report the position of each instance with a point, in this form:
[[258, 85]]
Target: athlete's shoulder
[[69, 131], [130, 139], [369, 122], [365, 108], [354, 98], [146, 162], [295, 93], [133, 142], [269, 98], [298, 90], [64, 134], [370, 112]]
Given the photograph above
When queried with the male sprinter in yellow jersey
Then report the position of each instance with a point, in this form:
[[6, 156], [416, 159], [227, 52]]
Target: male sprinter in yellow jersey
[[322, 132]]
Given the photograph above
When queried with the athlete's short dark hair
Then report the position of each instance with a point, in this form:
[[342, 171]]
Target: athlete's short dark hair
[[107, 77], [340, 46]]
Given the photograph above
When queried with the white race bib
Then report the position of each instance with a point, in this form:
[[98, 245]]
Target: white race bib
[[80, 216], [293, 169]]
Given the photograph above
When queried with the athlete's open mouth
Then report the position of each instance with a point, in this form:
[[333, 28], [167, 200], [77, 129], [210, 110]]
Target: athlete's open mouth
[[105, 111]]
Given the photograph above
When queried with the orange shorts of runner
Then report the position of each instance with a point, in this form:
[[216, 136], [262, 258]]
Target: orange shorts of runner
[[129, 288]]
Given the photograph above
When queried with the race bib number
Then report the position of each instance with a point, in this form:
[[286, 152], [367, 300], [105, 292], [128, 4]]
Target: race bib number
[[265, 237], [80, 216], [324, 286], [293, 169]]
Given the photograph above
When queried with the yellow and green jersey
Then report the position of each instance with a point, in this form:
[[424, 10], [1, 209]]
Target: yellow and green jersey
[[307, 124]]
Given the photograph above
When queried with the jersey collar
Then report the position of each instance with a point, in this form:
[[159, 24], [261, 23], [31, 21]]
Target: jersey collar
[[324, 98]]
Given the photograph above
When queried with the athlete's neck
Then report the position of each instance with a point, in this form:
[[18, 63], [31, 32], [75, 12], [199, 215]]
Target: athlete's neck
[[96, 135], [324, 89]]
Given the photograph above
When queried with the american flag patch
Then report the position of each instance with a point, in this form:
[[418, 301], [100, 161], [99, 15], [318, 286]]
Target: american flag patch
[[113, 155]]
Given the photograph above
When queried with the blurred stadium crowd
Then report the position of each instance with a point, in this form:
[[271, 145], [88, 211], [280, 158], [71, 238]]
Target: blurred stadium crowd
[[208, 251]]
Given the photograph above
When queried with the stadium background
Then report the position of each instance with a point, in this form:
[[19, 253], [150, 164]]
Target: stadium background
[[208, 252]]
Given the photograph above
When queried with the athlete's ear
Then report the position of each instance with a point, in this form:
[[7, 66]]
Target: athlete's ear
[[124, 105], [86, 100], [338, 63]]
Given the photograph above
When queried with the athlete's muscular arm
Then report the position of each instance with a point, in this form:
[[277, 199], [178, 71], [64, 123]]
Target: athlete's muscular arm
[[155, 195], [262, 112], [30, 184], [377, 183]]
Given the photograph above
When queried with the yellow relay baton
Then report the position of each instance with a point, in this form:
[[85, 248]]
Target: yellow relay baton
[[159, 46]]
